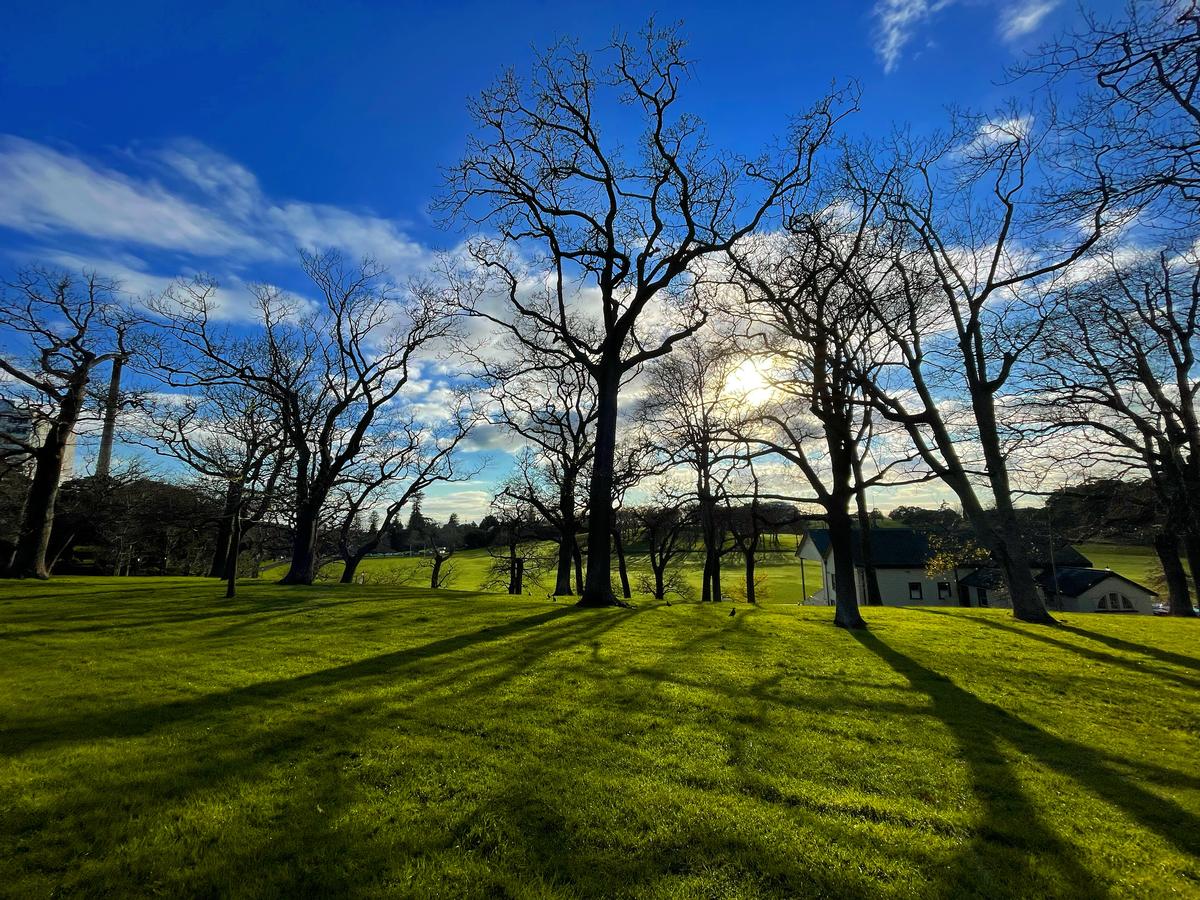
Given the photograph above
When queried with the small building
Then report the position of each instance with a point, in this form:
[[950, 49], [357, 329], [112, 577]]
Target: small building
[[1095, 590], [900, 556]]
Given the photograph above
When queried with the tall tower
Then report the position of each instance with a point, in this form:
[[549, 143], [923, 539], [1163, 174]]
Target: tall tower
[[112, 402]]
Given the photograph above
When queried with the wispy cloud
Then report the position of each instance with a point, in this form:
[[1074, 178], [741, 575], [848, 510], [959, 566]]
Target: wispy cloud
[[1020, 19], [897, 22], [185, 198], [44, 191]]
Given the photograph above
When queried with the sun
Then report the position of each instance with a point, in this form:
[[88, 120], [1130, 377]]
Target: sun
[[750, 382]]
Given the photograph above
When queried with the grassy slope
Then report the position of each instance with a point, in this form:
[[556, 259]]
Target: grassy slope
[[334, 741], [1138, 563]]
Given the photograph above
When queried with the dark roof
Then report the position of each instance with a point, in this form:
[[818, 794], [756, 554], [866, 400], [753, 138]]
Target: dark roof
[[988, 579], [891, 548], [1073, 581], [1064, 556]]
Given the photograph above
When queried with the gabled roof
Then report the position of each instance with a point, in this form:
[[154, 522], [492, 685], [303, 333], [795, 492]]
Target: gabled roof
[[1073, 581], [891, 548]]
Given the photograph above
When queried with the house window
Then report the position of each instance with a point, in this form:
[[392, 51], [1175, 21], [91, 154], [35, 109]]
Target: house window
[[944, 592], [914, 591], [1115, 602], [982, 596]]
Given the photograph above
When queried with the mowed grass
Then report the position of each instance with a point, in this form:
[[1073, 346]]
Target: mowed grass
[[359, 740], [1137, 563], [778, 573]]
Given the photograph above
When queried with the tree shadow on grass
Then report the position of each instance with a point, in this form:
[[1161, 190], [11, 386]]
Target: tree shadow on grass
[[138, 720], [1011, 829], [1047, 637], [1128, 646], [214, 743], [245, 614]]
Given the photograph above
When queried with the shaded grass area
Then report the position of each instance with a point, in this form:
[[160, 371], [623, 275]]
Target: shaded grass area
[[373, 740]]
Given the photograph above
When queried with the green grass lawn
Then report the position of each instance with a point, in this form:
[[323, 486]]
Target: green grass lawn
[[778, 573], [1135, 562], [334, 741]]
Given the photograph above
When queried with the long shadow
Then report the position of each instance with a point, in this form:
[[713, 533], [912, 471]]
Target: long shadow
[[981, 728], [1095, 655], [247, 615], [1128, 646], [137, 720]]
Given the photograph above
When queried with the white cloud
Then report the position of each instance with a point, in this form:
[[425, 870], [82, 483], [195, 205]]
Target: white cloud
[[43, 191], [186, 198], [897, 21], [1020, 19]]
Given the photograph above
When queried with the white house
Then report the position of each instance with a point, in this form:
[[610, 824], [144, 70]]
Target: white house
[[1096, 590], [900, 556]]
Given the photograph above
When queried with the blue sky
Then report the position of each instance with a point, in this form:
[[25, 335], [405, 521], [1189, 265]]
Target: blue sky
[[150, 139]]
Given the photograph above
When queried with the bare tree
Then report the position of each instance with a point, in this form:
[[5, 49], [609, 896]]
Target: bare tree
[[582, 216], [59, 328], [807, 318], [516, 558], [1118, 392], [975, 265], [331, 370], [692, 420], [393, 467], [553, 409], [1136, 77], [664, 528], [230, 436]]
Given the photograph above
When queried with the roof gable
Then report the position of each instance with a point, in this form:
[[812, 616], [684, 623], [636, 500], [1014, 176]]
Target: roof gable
[[1074, 581]]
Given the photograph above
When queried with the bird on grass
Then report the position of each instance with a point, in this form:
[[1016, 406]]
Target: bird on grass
[[733, 612]]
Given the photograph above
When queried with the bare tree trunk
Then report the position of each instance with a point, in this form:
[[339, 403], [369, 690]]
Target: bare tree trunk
[[516, 580], [1179, 601], [303, 568], [577, 556], [597, 589], [619, 546], [231, 565], [224, 530], [350, 567], [751, 596], [566, 552], [1191, 544], [841, 541], [1008, 544], [37, 519], [660, 588], [104, 457]]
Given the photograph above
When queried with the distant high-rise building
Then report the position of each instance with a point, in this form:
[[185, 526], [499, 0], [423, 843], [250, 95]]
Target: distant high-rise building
[[20, 425]]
